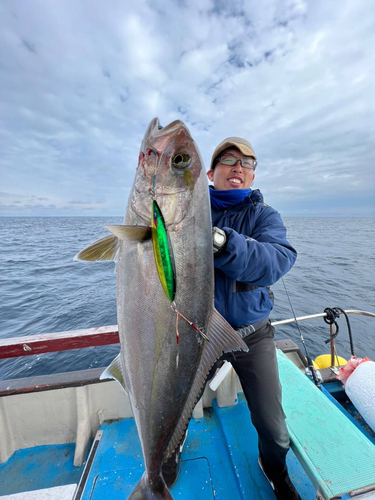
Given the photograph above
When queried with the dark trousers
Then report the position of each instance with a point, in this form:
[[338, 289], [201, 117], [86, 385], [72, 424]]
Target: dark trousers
[[259, 377]]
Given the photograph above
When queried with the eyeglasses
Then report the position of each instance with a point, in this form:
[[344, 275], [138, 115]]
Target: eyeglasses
[[230, 161]]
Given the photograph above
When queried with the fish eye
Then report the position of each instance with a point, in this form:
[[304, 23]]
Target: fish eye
[[181, 161]]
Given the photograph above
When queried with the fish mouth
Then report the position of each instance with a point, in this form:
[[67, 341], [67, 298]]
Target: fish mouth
[[158, 137]]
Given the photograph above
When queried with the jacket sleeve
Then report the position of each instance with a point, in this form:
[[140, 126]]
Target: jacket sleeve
[[261, 259]]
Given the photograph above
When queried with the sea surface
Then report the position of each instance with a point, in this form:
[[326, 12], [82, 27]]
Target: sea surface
[[42, 290]]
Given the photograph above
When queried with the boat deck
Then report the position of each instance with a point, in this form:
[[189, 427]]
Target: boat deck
[[219, 461], [43, 473]]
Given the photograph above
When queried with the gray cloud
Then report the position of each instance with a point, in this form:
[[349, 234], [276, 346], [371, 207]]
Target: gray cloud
[[29, 46], [12, 195], [80, 83], [81, 202]]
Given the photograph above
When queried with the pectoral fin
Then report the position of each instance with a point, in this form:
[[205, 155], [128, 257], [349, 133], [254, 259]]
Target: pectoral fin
[[114, 371], [107, 248], [103, 249], [130, 233]]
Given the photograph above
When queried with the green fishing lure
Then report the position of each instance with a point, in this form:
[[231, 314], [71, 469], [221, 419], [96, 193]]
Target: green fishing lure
[[163, 252]]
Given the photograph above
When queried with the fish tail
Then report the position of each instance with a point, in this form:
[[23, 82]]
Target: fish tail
[[151, 490]]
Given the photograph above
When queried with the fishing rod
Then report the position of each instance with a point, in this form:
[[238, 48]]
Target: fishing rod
[[309, 360]]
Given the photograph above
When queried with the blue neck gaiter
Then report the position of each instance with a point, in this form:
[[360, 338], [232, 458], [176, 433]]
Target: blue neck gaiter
[[227, 198]]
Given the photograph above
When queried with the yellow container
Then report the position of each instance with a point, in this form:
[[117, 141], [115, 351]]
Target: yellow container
[[324, 361], [314, 364]]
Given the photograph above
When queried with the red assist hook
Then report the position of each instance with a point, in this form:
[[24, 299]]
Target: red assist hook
[[178, 314]]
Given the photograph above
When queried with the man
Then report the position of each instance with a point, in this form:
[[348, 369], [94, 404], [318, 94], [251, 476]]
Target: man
[[251, 253]]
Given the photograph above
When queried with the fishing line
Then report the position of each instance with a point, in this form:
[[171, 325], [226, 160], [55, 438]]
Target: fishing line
[[174, 309], [309, 361]]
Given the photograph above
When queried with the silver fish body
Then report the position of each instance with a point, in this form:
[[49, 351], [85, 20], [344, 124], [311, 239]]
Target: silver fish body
[[164, 358]]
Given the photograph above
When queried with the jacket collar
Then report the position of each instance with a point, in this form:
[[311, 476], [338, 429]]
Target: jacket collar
[[253, 199]]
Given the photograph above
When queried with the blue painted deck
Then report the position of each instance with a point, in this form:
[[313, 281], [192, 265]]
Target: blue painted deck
[[39, 467], [219, 461]]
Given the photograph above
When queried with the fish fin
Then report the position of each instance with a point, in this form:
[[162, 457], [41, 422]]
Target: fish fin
[[222, 339], [220, 329], [131, 233], [114, 371], [143, 490], [103, 249]]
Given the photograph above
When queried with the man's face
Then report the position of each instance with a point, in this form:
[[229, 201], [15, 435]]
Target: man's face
[[231, 177]]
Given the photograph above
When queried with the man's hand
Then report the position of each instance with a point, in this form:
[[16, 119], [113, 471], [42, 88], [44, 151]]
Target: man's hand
[[219, 239]]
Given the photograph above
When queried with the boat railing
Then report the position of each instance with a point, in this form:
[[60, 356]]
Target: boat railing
[[31, 345], [331, 340], [320, 315]]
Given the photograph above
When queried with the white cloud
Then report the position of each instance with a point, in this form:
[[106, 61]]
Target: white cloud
[[80, 82]]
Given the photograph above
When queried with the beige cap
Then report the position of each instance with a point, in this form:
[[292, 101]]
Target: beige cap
[[242, 144]]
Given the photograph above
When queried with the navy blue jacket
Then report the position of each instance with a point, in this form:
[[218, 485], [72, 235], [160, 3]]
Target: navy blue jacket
[[255, 256]]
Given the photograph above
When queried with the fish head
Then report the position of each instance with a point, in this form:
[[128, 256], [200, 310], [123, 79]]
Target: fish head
[[168, 171]]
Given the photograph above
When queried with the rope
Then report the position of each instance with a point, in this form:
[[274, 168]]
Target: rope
[[330, 319], [333, 314], [349, 330]]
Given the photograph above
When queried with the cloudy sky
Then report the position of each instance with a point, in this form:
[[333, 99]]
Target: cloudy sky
[[81, 79]]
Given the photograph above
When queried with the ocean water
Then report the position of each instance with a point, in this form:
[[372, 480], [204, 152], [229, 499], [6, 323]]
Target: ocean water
[[43, 290]]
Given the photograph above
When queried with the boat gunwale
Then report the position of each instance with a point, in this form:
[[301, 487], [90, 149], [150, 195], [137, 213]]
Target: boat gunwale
[[40, 383], [32, 345], [79, 339]]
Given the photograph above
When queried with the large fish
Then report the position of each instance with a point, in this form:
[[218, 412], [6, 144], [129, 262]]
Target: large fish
[[170, 333]]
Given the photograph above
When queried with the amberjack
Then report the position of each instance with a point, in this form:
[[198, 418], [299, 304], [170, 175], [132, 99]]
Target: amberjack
[[170, 333]]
